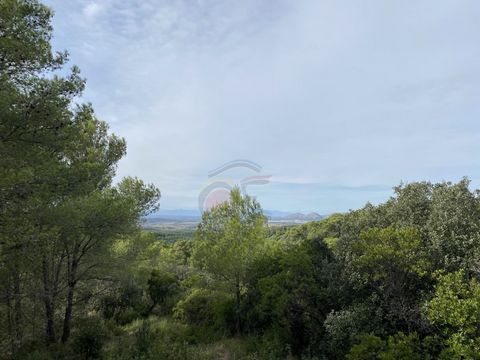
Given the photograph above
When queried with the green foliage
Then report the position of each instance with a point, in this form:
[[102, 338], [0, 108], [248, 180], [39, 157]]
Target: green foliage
[[397, 347], [144, 197], [453, 226], [25, 41], [125, 304], [162, 338], [344, 327], [402, 346], [368, 348], [59, 211], [160, 286], [228, 239], [207, 309], [388, 254], [89, 338], [143, 339], [291, 291], [455, 308]]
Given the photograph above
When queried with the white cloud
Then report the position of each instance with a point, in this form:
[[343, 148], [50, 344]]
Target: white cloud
[[92, 10]]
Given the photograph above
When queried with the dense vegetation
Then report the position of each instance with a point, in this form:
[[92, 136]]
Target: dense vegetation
[[81, 280]]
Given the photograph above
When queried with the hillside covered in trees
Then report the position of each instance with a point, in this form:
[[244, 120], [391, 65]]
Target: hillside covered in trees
[[80, 279]]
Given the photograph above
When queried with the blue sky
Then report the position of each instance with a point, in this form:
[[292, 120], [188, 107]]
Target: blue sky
[[338, 101]]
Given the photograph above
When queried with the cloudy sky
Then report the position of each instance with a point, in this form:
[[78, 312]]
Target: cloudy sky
[[337, 100]]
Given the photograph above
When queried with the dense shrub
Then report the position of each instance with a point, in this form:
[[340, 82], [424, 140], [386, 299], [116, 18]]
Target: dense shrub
[[125, 304], [161, 286], [397, 347], [89, 337], [42, 352], [207, 309]]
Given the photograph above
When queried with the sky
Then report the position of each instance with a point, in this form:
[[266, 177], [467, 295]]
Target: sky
[[336, 101]]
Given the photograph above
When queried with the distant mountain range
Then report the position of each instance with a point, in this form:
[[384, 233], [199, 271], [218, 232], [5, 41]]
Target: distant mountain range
[[311, 216]]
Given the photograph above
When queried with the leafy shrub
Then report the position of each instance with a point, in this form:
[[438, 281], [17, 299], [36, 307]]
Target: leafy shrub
[[125, 304], [109, 306], [207, 309], [160, 286], [367, 349], [89, 337], [397, 347], [126, 316], [42, 352], [402, 346], [143, 338], [343, 327], [39, 355], [272, 345], [455, 309]]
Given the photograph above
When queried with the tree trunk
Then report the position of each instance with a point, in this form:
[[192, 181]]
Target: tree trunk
[[68, 314], [49, 312], [10, 321], [69, 308], [49, 305], [18, 308], [237, 307]]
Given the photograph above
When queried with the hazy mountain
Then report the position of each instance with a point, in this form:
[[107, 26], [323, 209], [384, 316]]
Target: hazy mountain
[[312, 216]]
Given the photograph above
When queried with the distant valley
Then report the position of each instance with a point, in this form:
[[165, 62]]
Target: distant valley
[[188, 219]]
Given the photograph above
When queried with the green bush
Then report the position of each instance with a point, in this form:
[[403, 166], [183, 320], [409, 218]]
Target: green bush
[[397, 347], [143, 338], [160, 286], [38, 355], [273, 344], [127, 316], [89, 337], [125, 304], [207, 309], [343, 327], [368, 348], [53, 352], [402, 347]]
